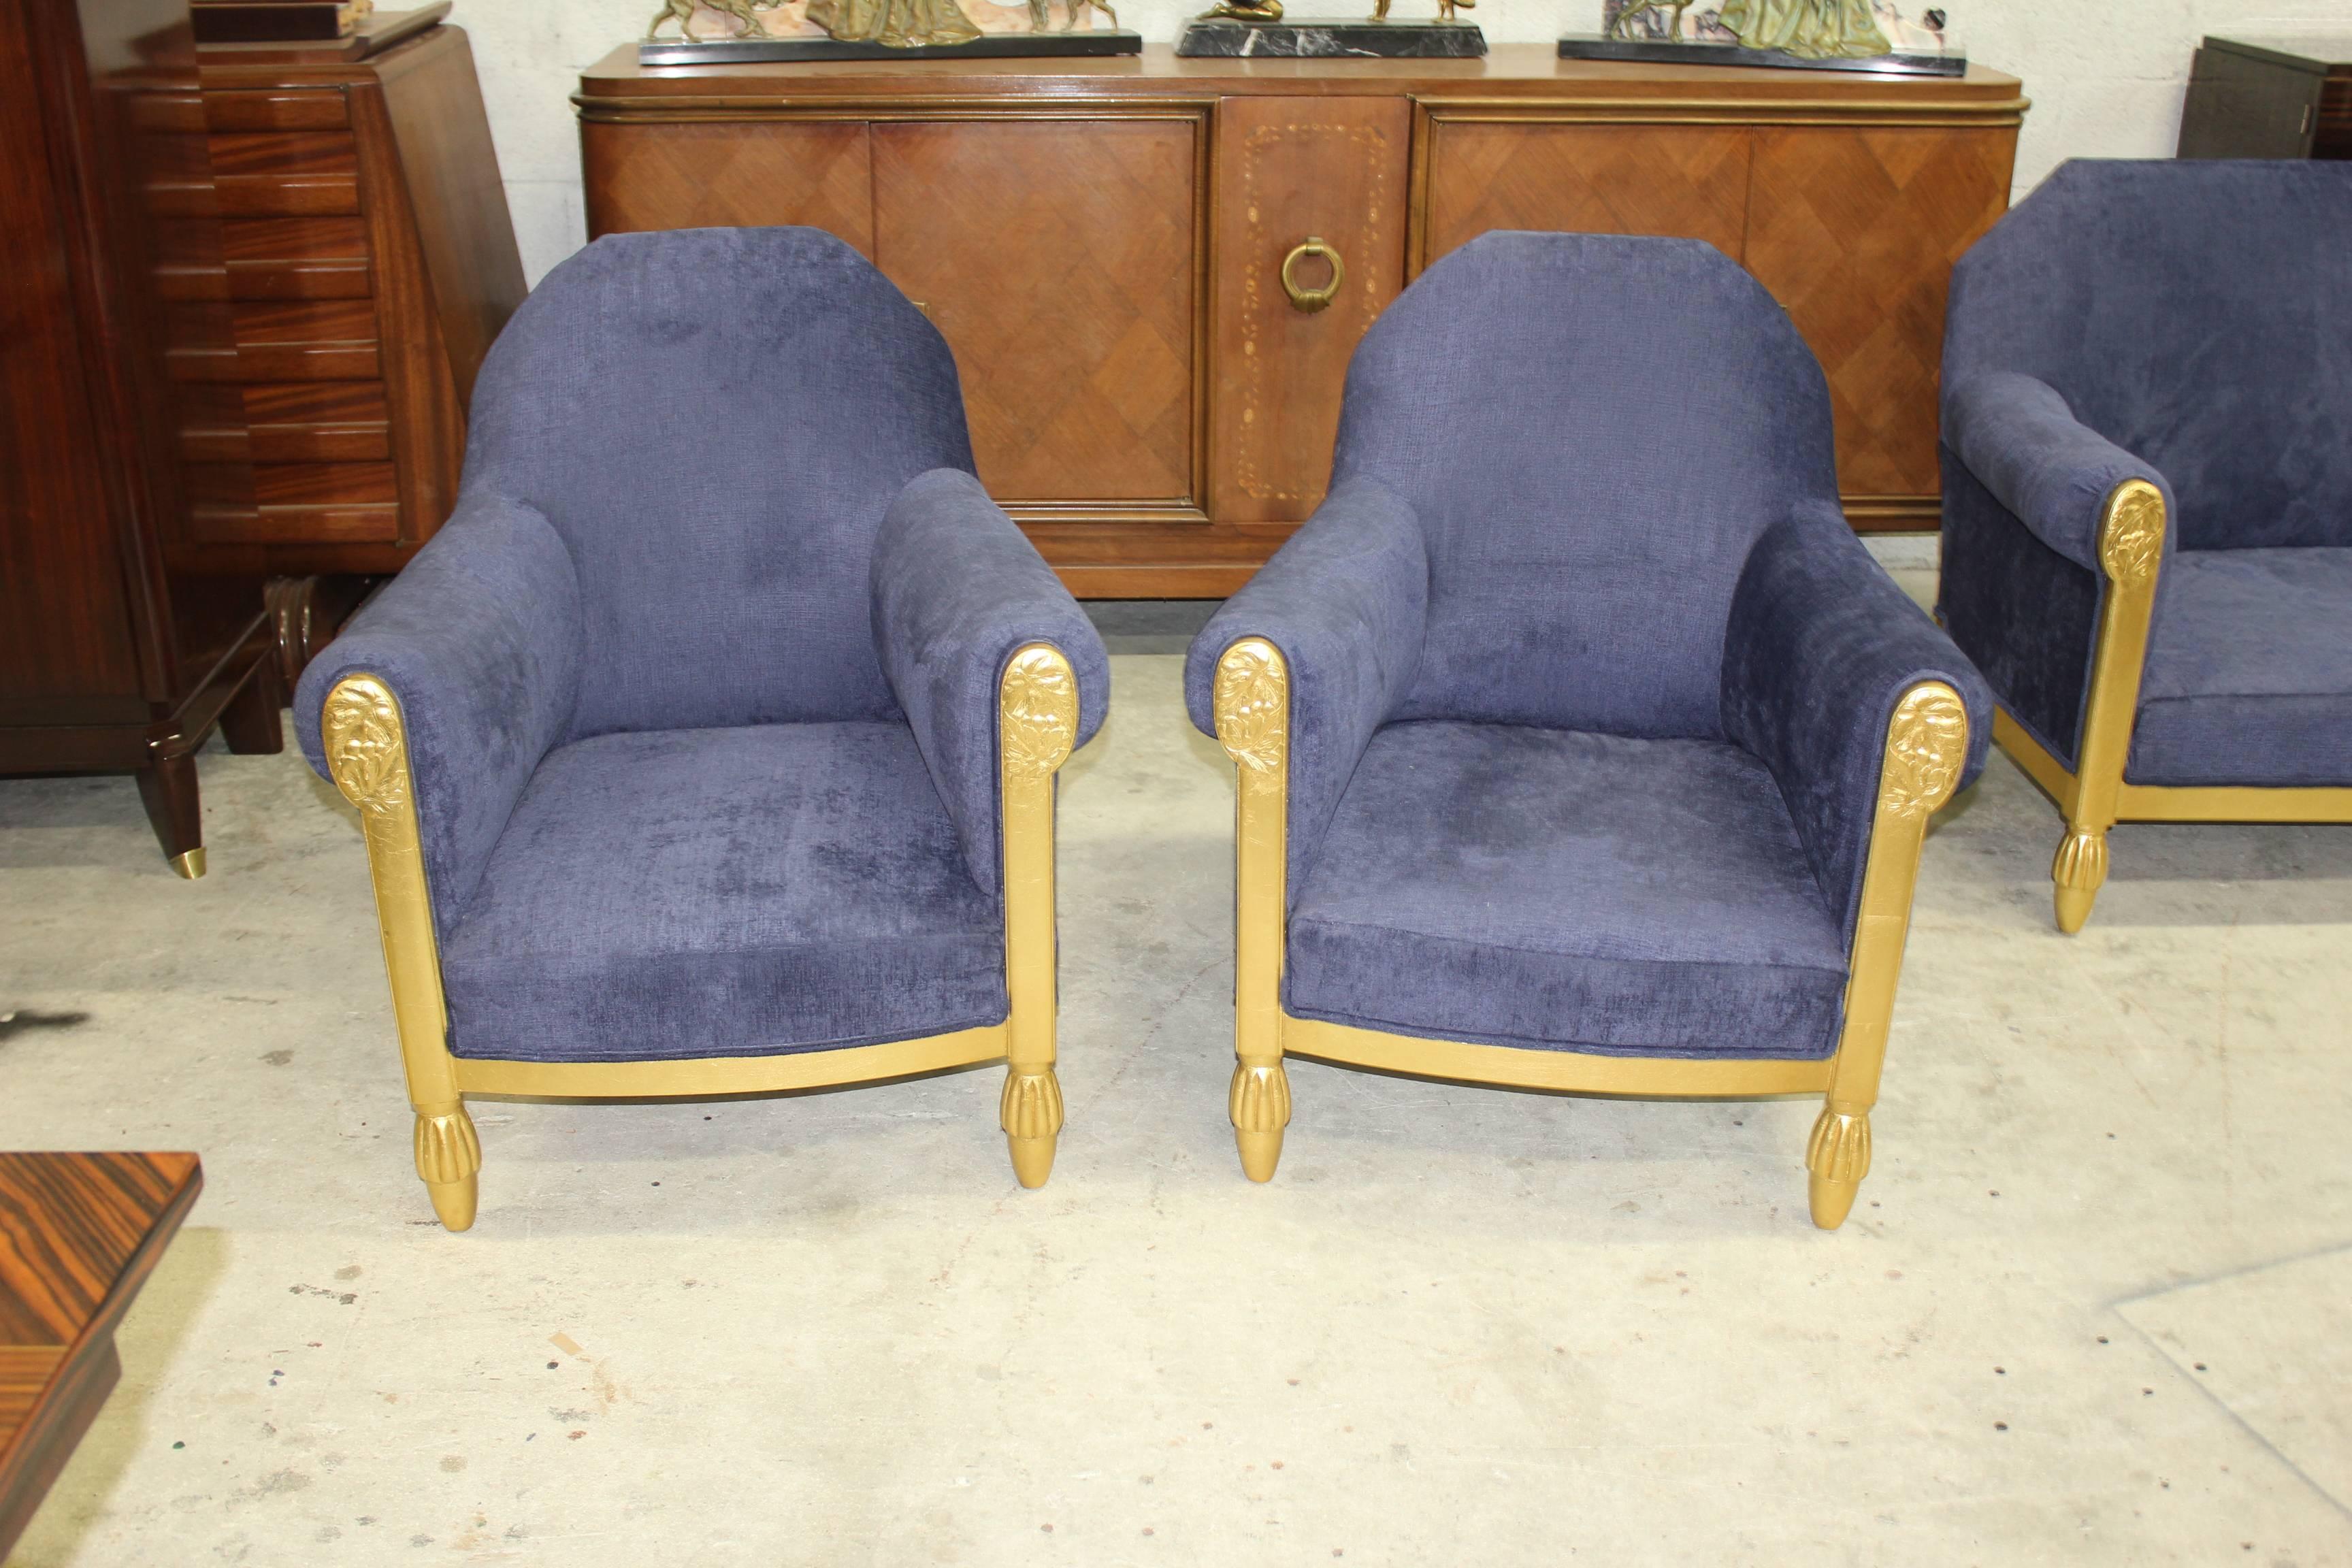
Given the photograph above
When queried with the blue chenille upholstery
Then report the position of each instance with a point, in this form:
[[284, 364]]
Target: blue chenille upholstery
[[2185, 323], [1590, 681], [724, 892], [700, 681], [2249, 681]]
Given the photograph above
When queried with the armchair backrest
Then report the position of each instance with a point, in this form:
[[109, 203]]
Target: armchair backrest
[[1592, 430], [2196, 314], [715, 422]]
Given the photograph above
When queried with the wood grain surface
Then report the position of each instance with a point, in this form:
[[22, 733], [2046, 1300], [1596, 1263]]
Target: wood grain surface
[[78, 1235], [1288, 168]]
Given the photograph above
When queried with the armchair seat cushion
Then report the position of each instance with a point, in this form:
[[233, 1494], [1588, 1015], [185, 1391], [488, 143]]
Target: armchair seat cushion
[[2249, 673], [1564, 890], [720, 893]]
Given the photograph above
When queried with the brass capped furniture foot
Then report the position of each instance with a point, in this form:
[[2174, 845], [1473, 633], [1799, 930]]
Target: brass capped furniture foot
[[449, 1158], [1031, 1112], [1837, 1157], [189, 863], [1259, 1105], [2077, 873]]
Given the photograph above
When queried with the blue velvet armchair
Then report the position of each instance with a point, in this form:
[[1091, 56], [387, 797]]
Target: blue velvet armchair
[[709, 749], [1579, 744], [2147, 495]]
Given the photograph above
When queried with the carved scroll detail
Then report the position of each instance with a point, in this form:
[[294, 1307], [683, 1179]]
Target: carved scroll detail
[[1839, 1150], [1926, 746], [1259, 1101], [2081, 862], [1253, 705], [448, 1149], [365, 749], [2131, 539], [1037, 712], [1031, 1105]]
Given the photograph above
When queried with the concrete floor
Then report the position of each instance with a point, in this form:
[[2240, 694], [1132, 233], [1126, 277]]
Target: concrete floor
[[2096, 1306]]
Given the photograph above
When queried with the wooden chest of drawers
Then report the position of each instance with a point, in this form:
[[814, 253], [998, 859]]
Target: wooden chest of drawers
[[1102, 242], [348, 263]]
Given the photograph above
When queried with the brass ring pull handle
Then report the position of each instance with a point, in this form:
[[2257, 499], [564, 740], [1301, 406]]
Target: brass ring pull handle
[[1312, 300]]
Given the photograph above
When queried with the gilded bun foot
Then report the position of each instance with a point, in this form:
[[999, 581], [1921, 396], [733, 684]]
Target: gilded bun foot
[[189, 863], [455, 1201], [1031, 1113], [1831, 1201], [1259, 1105], [449, 1158], [2077, 873], [1838, 1158], [1260, 1152]]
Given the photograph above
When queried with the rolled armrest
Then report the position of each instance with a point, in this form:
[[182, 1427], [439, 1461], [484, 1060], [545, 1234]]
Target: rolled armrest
[[2022, 442], [1346, 601], [479, 640], [1821, 646], [956, 591]]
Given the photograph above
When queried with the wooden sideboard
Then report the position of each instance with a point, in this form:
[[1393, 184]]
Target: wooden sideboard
[[1101, 242]]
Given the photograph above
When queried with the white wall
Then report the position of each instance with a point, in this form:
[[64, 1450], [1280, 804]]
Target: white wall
[[2106, 76]]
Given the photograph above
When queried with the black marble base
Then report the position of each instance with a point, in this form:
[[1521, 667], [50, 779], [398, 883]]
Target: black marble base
[[1662, 52], [1319, 37], [988, 46]]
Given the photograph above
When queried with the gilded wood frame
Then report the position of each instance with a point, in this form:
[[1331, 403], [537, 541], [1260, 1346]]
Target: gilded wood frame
[[2094, 796], [1037, 725], [1926, 746]]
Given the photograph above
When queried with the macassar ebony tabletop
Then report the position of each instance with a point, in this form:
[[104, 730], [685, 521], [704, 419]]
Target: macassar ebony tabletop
[[78, 1235]]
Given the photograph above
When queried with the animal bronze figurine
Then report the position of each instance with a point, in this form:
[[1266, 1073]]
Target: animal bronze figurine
[[1038, 19], [1621, 25], [745, 13], [1445, 9]]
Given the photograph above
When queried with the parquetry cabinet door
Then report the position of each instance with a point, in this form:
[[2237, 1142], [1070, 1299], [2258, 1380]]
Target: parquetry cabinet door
[[1060, 258]]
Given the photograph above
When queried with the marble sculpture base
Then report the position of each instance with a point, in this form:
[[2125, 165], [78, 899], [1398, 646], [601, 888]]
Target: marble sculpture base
[[988, 46], [1317, 38], [1666, 52]]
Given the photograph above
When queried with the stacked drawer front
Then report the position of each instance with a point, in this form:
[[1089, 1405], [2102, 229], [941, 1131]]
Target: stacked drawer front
[[272, 331]]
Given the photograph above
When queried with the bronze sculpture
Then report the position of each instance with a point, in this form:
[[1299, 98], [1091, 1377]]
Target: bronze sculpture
[[1038, 19], [1808, 29], [745, 13], [1445, 9], [896, 23], [1247, 10]]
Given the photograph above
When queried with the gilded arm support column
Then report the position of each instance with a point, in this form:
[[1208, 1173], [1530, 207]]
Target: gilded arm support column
[[2131, 548], [1251, 701], [1037, 725], [367, 752], [1927, 747]]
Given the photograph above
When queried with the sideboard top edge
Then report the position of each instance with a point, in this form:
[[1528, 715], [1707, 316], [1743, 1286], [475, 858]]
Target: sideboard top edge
[[1510, 70]]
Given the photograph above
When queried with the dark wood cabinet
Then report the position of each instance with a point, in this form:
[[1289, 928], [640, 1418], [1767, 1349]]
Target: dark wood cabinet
[[246, 295], [350, 262], [1102, 243], [2270, 98], [108, 657]]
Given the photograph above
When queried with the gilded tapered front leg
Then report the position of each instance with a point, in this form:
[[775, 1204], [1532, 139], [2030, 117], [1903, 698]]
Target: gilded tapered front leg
[[2131, 549], [1253, 714], [1037, 715], [1926, 746], [2077, 872], [449, 1159], [367, 752]]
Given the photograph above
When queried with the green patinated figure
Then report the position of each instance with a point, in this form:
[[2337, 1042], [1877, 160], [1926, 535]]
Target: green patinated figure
[[1809, 30]]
